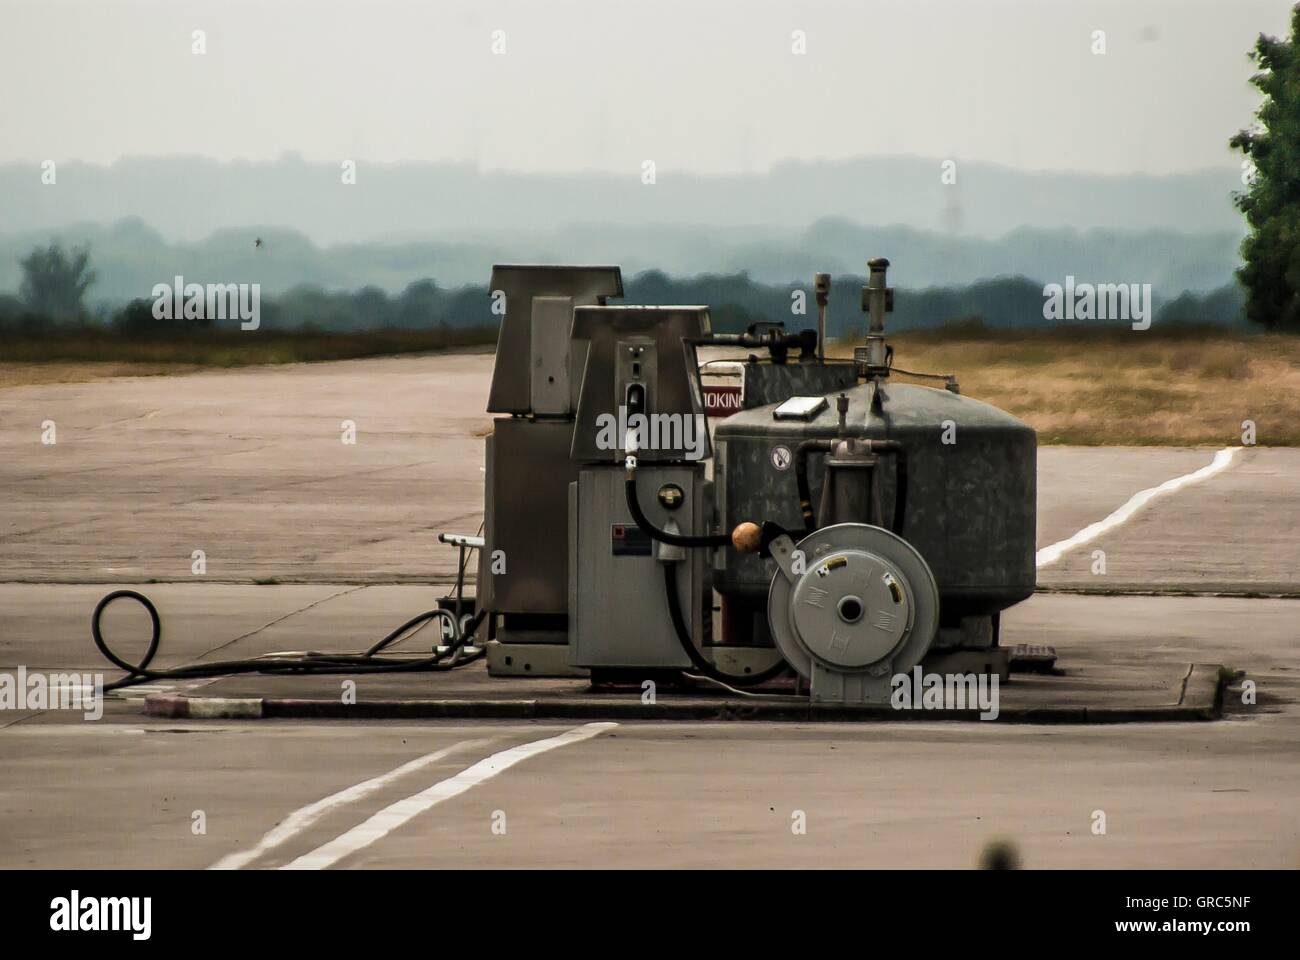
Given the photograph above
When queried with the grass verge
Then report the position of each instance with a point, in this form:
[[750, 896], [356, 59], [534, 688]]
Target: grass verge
[[91, 355], [1084, 386]]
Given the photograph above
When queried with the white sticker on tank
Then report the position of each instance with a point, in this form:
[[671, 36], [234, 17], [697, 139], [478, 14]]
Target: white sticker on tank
[[781, 457]]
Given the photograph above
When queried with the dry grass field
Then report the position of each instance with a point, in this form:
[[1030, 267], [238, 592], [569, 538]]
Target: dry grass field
[[1123, 387], [77, 357], [71, 371]]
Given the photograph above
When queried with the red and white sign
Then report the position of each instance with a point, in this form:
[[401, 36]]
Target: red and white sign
[[722, 400]]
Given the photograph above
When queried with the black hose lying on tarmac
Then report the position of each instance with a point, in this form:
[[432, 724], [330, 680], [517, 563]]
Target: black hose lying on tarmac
[[284, 664]]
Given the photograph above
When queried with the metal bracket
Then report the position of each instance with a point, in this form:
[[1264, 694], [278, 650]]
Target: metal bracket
[[782, 551]]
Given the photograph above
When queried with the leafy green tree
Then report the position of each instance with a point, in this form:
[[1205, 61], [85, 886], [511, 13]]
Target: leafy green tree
[[1271, 202], [54, 283]]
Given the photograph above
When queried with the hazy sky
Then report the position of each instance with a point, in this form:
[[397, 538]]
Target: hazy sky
[[706, 85]]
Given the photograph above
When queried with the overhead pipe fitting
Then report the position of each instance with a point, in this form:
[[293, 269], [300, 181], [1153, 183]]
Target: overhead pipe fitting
[[877, 300]]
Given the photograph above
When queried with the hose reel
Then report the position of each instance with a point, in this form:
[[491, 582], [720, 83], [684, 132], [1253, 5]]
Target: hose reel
[[850, 606]]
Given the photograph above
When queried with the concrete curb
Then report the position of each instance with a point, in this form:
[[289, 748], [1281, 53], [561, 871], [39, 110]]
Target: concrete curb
[[203, 708], [1200, 697]]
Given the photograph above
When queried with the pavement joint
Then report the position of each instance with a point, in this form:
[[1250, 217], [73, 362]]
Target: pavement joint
[[294, 613]]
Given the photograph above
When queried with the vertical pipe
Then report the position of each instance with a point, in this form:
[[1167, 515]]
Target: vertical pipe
[[822, 290], [876, 301]]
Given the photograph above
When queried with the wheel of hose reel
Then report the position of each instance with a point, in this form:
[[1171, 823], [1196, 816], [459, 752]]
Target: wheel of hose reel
[[864, 608]]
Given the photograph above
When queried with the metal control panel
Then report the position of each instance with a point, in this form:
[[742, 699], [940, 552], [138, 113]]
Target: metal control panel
[[618, 606], [522, 578], [640, 360], [636, 380], [628, 540]]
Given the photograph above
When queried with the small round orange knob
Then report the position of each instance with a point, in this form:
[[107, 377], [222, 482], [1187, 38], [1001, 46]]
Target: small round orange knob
[[747, 537]]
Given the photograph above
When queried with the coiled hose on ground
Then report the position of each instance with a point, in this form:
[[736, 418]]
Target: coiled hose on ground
[[288, 664]]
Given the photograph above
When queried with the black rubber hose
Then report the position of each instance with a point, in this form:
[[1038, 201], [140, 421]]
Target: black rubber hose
[[418, 620], [697, 658], [900, 489], [136, 668], [663, 536], [805, 490], [801, 479], [900, 464], [308, 663]]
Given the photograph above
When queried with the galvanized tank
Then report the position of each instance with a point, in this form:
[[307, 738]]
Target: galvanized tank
[[970, 505]]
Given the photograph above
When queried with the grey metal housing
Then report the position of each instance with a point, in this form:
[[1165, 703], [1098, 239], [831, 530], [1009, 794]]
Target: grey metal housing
[[533, 339], [665, 368], [970, 504], [618, 609], [526, 487]]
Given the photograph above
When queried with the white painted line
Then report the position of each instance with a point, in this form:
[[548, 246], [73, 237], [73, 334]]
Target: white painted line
[[141, 690], [390, 818], [224, 708], [89, 729], [302, 819], [1050, 554]]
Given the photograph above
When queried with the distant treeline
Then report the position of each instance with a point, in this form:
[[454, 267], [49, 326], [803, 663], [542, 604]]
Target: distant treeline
[[1004, 302], [735, 300]]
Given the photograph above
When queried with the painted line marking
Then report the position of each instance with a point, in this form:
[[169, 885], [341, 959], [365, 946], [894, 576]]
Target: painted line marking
[[302, 819], [141, 690], [1050, 554], [90, 728], [391, 817], [223, 708]]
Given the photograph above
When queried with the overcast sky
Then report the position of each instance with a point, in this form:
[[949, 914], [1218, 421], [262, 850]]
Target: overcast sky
[[706, 85]]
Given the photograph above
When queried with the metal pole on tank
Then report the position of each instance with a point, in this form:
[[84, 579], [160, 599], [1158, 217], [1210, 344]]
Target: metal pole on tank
[[877, 299], [822, 290]]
